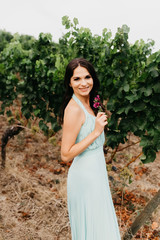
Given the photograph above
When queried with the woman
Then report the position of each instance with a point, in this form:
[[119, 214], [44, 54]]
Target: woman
[[91, 211]]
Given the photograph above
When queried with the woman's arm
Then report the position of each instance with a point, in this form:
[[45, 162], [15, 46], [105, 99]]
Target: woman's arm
[[71, 127]]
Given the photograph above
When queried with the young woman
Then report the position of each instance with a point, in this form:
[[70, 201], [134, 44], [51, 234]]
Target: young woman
[[91, 211]]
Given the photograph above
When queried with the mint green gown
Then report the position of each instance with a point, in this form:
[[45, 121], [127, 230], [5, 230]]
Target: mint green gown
[[91, 210]]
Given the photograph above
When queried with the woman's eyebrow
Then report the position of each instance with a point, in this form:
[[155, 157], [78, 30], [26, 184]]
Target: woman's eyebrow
[[87, 75]]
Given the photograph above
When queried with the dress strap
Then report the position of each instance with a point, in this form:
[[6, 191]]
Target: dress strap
[[79, 103]]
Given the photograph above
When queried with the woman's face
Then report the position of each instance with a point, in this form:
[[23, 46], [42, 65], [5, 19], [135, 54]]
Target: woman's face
[[81, 81]]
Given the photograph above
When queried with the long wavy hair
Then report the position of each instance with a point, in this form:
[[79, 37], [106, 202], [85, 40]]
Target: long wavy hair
[[73, 64]]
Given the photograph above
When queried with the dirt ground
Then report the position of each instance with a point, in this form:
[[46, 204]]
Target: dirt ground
[[33, 198]]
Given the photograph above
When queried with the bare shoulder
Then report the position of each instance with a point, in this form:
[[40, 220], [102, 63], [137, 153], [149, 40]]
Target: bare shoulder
[[74, 112]]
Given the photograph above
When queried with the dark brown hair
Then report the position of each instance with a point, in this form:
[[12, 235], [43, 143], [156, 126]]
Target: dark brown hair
[[73, 64]]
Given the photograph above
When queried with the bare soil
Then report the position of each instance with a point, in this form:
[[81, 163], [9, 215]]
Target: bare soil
[[33, 198]]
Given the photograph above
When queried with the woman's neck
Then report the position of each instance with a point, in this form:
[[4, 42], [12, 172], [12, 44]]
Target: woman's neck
[[83, 99]]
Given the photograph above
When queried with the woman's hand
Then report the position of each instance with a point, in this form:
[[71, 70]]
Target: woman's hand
[[100, 122]]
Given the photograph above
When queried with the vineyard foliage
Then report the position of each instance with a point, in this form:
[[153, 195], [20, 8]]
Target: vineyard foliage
[[129, 75]]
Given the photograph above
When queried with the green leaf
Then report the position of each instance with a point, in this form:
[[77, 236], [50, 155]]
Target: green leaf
[[139, 107], [151, 131], [121, 110], [125, 28], [130, 180], [145, 141], [154, 73], [150, 156], [67, 35], [50, 73], [26, 113], [43, 126], [126, 88], [157, 125], [118, 73], [156, 87], [36, 112], [58, 62], [9, 113], [155, 101], [141, 123], [132, 98], [66, 22], [143, 157], [127, 109], [75, 20], [148, 91]]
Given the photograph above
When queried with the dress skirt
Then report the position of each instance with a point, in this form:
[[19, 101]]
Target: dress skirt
[[90, 206]]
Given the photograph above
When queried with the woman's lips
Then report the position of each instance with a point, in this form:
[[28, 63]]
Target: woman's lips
[[84, 89]]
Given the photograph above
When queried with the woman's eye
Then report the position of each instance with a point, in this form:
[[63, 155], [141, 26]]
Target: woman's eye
[[88, 76], [76, 79]]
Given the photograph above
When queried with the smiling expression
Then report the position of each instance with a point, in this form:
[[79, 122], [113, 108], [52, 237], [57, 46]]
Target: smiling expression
[[81, 81]]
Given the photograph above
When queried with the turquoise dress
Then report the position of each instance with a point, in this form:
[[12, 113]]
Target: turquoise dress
[[91, 211]]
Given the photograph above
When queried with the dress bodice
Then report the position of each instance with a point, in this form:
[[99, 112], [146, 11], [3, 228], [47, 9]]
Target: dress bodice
[[88, 127]]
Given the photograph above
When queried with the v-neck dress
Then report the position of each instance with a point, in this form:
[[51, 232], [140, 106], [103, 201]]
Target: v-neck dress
[[90, 206]]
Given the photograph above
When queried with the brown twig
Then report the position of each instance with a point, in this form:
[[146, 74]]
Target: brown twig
[[127, 146], [134, 159], [113, 154]]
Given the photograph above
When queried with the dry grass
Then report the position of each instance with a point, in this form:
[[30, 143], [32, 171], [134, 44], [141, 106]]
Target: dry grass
[[33, 200]]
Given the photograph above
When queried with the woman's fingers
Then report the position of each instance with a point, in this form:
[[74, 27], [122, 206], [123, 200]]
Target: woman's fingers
[[102, 117], [100, 114], [105, 121]]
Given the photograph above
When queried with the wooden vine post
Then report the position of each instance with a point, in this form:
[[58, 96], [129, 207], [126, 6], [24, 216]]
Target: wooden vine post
[[143, 217], [8, 134]]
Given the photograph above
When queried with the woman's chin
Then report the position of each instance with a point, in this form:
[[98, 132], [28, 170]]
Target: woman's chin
[[85, 92]]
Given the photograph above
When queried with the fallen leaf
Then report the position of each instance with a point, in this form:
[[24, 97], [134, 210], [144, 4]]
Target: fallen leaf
[[154, 225]]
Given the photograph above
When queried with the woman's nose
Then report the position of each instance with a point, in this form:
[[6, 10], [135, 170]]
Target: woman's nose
[[83, 82]]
